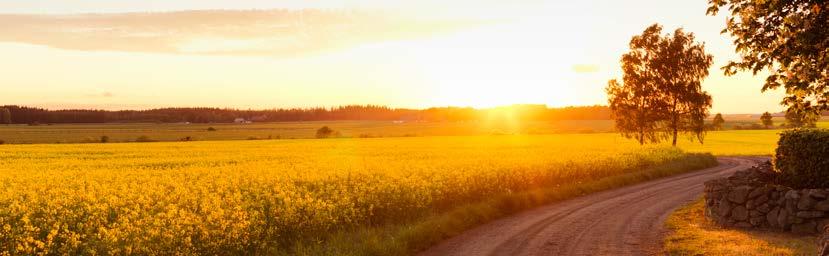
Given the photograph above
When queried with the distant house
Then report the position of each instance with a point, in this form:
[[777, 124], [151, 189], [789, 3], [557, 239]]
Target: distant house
[[242, 121]]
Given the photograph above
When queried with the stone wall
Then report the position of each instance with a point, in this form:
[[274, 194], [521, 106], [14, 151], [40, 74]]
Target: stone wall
[[750, 199]]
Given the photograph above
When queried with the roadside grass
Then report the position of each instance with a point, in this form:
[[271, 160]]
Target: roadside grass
[[412, 237], [693, 234]]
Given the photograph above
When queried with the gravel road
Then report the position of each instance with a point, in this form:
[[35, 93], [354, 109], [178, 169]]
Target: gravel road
[[623, 221]]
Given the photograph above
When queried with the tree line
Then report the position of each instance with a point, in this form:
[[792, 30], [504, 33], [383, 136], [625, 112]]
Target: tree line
[[30, 115]]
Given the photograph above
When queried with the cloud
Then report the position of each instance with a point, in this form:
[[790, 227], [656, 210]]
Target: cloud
[[585, 68], [226, 32]]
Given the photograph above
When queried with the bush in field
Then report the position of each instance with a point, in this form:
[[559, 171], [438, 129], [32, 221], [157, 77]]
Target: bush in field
[[104, 139], [2, 142], [144, 139], [324, 132], [767, 120], [211, 129], [802, 158]]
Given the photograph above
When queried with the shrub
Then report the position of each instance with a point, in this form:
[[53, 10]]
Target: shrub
[[802, 158], [324, 132], [211, 129], [2, 142], [144, 139], [104, 139]]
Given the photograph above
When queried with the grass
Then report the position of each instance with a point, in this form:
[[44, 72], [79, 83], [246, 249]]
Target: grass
[[283, 196], [693, 234]]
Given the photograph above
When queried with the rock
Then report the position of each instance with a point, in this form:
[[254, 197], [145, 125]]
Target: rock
[[792, 194], [755, 213], [750, 204], [764, 208], [822, 206], [739, 194], [805, 228], [739, 213], [761, 199], [757, 192], [757, 221], [805, 203], [809, 214], [781, 201], [724, 209], [771, 217], [743, 224], [796, 220], [791, 205], [783, 220], [817, 194]]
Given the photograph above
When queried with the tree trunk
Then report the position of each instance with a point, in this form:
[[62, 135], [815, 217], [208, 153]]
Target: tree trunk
[[675, 133]]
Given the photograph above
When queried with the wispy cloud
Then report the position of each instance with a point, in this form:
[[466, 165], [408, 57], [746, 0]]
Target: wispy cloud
[[271, 32]]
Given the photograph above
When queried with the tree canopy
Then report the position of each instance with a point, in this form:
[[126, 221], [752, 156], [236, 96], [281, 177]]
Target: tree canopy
[[5, 116], [717, 122], [788, 38], [661, 94]]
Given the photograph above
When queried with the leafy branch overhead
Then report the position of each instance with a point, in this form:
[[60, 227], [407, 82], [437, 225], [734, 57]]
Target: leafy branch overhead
[[788, 38]]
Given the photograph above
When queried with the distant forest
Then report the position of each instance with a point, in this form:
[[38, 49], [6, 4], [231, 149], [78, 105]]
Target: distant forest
[[29, 115]]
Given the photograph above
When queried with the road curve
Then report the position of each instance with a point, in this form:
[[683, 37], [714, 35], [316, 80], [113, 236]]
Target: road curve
[[623, 221]]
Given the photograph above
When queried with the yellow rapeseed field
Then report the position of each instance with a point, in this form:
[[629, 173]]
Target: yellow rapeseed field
[[244, 197]]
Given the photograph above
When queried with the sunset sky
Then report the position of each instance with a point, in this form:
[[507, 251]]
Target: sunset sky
[[415, 54]]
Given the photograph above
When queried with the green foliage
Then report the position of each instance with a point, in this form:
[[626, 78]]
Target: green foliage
[[802, 158], [797, 118], [789, 39], [5, 116], [661, 94], [767, 120], [324, 132]]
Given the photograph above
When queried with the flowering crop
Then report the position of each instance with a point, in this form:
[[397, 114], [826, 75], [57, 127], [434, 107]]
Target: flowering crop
[[254, 197]]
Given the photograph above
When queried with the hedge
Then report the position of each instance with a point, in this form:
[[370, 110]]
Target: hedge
[[802, 158]]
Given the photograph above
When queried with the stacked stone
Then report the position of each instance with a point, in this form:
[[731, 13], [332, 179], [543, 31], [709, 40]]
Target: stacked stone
[[750, 199]]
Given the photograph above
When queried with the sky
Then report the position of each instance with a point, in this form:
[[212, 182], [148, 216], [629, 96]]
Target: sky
[[416, 54]]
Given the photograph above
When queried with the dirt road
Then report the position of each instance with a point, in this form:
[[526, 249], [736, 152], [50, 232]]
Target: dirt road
[[624, 221]]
